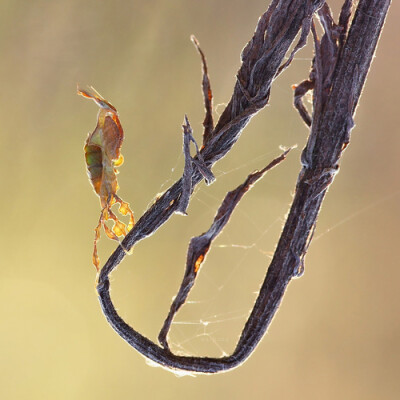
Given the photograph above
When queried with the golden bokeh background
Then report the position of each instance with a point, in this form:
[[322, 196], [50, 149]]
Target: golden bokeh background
[[338, 329]]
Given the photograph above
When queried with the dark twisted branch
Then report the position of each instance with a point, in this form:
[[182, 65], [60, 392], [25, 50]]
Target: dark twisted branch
[[335, 98]]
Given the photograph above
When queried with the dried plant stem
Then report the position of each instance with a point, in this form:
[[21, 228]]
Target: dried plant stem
[[336, 94]]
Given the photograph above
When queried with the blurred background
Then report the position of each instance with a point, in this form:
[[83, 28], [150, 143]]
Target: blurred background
[[337, 332]]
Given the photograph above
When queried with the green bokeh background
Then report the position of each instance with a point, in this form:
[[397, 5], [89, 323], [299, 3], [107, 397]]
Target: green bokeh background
[[337, 332]]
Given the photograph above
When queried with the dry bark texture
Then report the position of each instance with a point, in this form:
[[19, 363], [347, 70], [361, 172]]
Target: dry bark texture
[[342, 59]]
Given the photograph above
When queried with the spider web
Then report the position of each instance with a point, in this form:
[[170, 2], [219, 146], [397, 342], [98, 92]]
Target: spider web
[[219, 305]]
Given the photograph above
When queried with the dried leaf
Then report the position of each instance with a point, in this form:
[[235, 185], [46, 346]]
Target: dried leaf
[[103, 156]]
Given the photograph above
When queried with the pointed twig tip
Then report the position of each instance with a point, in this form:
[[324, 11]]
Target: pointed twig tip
[[194, 40], [286, 150], [186, 123]]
